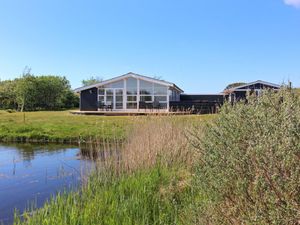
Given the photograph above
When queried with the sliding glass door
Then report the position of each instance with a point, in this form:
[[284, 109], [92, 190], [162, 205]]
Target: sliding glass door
[[112, 98], [118, 99], [109, 98]]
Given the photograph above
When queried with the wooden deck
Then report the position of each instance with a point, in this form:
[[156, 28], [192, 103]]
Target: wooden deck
[[127, 113]]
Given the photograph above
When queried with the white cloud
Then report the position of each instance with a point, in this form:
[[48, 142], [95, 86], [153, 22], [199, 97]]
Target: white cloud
[[295, 3]]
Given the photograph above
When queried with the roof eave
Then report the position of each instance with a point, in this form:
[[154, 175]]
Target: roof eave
[[130, 74], [252, 83]]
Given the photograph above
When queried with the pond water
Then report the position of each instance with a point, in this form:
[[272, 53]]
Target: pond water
[[31, 174]]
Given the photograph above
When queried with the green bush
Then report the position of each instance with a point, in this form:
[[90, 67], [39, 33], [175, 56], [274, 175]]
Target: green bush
[[249, 162]]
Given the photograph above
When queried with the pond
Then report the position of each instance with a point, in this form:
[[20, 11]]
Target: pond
[[31, 174]]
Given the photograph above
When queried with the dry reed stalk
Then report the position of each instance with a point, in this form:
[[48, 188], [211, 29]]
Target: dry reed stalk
[[156, 139]]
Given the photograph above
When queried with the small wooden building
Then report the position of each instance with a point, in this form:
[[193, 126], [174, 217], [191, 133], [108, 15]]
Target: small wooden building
[[240, 93]]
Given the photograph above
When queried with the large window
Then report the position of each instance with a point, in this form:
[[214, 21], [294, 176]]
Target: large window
[[106, 93], [146, 88], [101, 97], [109, 96], [118, 84], [152, 92], [146, 91], [160, 90], [131, 85], [146, 98], [161, 95]]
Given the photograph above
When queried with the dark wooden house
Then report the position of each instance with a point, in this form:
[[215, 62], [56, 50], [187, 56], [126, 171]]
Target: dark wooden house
[[130, 92], [240, 93]]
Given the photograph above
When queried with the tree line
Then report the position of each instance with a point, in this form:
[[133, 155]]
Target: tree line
[[32, 93]]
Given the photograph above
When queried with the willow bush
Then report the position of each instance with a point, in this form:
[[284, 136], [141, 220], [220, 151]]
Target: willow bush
[[249, 162]]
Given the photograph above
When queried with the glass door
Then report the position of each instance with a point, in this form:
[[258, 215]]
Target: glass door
[[114, 98], [118, 99], [109, 98]]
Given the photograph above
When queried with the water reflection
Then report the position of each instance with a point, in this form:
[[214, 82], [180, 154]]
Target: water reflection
[[101, 152], [33, 172], [27, 152]]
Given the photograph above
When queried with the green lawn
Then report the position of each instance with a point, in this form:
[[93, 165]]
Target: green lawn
[[62, 126]]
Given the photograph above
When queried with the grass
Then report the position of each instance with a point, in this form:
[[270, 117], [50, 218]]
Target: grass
[[64, 127], [156, 196], [59, 127]]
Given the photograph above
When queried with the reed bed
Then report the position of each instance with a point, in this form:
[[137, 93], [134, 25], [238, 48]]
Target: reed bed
[[145, 179], [158, 140]]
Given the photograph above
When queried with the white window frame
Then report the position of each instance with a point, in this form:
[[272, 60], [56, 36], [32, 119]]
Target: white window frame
[[138, 95]]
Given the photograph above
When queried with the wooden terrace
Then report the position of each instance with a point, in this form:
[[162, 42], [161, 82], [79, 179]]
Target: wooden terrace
[[128, 113]]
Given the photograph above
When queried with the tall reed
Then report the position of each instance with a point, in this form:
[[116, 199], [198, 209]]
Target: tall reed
[[157, 139]]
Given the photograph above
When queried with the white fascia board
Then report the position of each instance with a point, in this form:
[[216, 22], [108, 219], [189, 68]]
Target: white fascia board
[[257, 82], [243, 90], [101, 83], [133, 75]]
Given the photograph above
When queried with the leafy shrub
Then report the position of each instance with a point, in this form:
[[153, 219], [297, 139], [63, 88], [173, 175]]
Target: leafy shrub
[[249, 162]]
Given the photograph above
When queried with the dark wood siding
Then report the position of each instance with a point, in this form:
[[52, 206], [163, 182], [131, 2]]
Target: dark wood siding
[[240, 95], [201, 98], [198, 104], [89, 100], [195, 107]]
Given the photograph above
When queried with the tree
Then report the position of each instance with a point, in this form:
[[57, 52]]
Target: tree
[[51, 91], [233, 85], [70, 100], [25, 92], [30, 92], [92, 80], [8, 94]]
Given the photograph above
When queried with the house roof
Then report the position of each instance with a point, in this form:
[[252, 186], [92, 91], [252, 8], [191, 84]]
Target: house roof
[[127, 75], [251, 83]]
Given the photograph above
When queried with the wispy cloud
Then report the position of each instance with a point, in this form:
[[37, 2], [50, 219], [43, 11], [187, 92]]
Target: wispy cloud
[[295, 3]]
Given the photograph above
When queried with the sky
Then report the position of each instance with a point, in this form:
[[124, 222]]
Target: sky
[[201, 45]]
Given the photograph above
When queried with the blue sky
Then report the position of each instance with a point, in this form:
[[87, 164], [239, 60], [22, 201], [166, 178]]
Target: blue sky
[[201, 45]]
